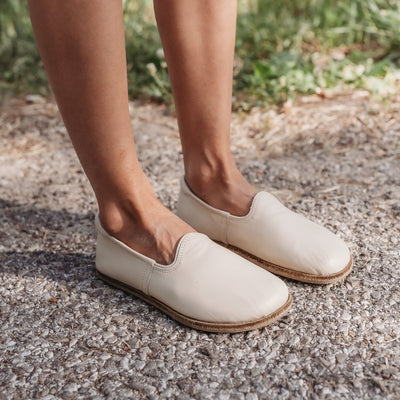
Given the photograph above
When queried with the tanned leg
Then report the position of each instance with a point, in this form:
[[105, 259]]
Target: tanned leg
[[198, 38], [83, 50]]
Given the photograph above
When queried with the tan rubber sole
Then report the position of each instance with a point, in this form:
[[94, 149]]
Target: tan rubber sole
[[291, 274], [197, 324]]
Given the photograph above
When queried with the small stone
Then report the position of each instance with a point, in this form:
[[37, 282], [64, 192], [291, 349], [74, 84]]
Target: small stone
[[346, 316], [139, 365], [291, 358], [294, 341], [124, 363], [341, 358], [35, 99], [262, 344], [325, 362], [223, 396], [4, 308], [71, 387], [150, 389]]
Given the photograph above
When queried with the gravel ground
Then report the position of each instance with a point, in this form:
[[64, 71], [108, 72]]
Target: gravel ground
[[65, 334]]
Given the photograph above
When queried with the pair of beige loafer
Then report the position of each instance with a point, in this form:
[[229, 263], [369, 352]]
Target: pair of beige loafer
[[211, 288]]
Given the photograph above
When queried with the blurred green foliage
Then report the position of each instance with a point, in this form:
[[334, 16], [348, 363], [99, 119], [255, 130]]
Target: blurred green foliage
[[306, 46], [20, 68], [282, 48]]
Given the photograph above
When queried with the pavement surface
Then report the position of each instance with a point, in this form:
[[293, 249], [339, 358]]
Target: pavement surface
[[67, 335]]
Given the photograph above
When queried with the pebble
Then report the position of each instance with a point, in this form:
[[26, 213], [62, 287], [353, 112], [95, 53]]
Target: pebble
[[346, 316], [124, 364], [291, 358], [71, 388], [341, 358]]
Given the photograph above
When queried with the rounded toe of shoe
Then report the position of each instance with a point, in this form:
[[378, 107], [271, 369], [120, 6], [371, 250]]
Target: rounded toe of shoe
[[337, 258], [330, 255], [271, 294], [257, 294]]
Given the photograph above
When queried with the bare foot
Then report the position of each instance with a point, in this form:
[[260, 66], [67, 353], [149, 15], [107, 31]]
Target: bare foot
[[154, 233], [233, 194]]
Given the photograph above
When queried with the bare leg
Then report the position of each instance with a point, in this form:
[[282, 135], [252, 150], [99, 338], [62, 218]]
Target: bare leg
[[198, 37], [83, 50]]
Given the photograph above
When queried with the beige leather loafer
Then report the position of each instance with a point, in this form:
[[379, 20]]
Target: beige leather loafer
[[206, 287], [272, 236]]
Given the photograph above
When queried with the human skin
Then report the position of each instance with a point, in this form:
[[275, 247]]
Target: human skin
[[83, 50]]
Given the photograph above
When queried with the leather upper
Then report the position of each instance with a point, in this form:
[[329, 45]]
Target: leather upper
[[205, 281], [269, 231]]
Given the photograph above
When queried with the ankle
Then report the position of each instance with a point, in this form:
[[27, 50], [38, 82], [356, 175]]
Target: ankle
[[205, 175], [124, 213], [224, 188]]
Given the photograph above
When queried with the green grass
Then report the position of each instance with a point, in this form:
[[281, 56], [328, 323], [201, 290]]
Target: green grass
[[310, 45], [283, 48]]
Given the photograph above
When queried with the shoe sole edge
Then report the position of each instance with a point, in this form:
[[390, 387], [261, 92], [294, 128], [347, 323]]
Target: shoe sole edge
[[291, 274], [198, 324]]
